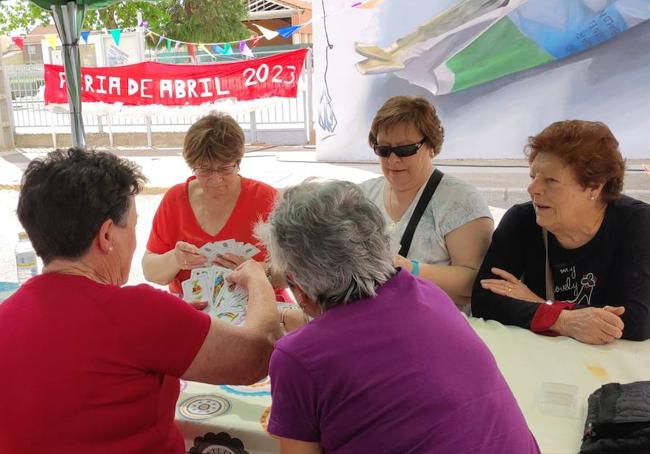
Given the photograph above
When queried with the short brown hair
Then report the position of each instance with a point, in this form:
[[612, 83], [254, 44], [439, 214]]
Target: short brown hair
[[215, 137], [412, 110], [589, 148]]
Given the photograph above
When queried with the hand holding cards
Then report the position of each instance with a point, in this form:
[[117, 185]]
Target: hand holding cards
[[212, 250], [225, 301]]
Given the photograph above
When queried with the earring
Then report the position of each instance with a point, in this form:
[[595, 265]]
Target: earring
[[110, 249], [593, 197]]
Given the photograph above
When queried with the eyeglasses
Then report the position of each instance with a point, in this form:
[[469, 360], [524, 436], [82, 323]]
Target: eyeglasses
[[401, 151], [203, 172]]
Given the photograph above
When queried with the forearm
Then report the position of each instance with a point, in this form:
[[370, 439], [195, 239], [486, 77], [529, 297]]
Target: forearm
[[456, 281], [160, 268], [262, 315]]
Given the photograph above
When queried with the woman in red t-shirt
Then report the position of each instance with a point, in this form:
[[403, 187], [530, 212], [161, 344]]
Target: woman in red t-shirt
[[216, 203]]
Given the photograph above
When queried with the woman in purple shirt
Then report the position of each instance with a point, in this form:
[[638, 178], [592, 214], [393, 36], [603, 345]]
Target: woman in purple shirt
[[388, 364]]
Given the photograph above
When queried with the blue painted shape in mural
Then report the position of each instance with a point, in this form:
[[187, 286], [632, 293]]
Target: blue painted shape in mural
[[573, 26]]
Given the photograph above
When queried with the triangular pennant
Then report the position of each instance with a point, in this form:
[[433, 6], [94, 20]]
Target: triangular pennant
[[242, 44], [246, 51], [150, 36], [256, 40], [218, 49], [205, 49], [177, 45], [191, 50], [268, 34], [288, 31], [116, 33], [18, 41], [85, 35], [160, 40], [169, 44], [51, 40], [227, 49]]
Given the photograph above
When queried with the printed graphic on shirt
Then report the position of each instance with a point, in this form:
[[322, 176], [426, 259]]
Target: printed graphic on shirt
[[221, 443], [572, 288]]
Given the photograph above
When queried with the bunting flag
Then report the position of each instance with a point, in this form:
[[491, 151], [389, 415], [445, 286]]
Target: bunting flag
[[168, 44], [227, 49], [286, 32], [205, 49], [241, 46], [52, 40], [18, 41], [177, 45], [150, 35], [256, 40], [160, 40], [217, 49], [246, 50], [116, 33], [268, 34], [84, 36], [192, 51]]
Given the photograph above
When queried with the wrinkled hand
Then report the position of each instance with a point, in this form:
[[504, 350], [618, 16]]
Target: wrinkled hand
[[509, 286], [403, 262], [187, 256], [247, 272], [592, 325], [229, 260]]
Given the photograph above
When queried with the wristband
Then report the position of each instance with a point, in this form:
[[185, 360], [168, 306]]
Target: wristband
[[415, 269]]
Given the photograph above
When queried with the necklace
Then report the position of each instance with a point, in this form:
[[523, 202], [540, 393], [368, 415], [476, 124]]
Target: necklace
[[394, 220]]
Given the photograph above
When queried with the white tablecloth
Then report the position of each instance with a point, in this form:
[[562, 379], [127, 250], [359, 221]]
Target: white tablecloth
[[528, 360]]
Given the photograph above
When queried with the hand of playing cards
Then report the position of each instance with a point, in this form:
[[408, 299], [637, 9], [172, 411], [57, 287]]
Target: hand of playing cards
[[225, 301], [212, 250]]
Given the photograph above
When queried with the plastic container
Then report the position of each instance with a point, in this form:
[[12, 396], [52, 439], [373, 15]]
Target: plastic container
[[26, 264]]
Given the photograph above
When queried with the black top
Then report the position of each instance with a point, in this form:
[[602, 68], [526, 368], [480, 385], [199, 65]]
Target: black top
[[612, 269]]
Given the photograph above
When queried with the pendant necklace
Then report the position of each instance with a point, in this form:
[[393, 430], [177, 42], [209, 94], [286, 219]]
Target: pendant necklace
[[392, 225]]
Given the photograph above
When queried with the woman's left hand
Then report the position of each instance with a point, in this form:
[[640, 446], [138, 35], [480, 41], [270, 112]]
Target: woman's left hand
[[509, 286], [229, 260], [402, 262]]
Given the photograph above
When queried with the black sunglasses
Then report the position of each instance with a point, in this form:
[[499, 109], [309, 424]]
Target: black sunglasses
[[401, 151]]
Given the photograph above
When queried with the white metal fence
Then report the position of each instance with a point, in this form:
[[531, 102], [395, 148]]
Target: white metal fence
[[31, 116]]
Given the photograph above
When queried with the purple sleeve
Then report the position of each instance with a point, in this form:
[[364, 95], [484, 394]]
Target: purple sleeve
[[294, 409]]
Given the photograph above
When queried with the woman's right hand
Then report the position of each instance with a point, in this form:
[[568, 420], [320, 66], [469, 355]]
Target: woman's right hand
[[187, 256], [591, 325]]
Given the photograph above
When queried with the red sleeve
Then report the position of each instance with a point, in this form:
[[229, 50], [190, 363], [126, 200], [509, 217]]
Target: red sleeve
[[158, 331], [164, 228], [546, 315]]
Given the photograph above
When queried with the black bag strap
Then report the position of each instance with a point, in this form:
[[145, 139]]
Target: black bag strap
[[424, 200]]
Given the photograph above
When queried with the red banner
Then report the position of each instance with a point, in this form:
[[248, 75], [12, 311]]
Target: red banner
[[179, 85]]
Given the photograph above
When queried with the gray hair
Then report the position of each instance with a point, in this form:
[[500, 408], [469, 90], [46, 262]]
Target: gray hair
[[332, 239]]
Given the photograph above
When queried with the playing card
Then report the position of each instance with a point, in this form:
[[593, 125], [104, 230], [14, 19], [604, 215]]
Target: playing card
[[225, 246], [196, 290], [209, 250], [249, 251], [209, 273]]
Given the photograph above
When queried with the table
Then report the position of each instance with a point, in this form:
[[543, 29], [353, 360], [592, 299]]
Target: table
[[527, 361]]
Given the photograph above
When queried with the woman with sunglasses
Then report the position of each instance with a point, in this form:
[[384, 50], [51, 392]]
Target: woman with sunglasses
[[215, 203], [454, 231]]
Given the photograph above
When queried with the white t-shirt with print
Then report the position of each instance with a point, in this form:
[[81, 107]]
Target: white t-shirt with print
[[455, 203]]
